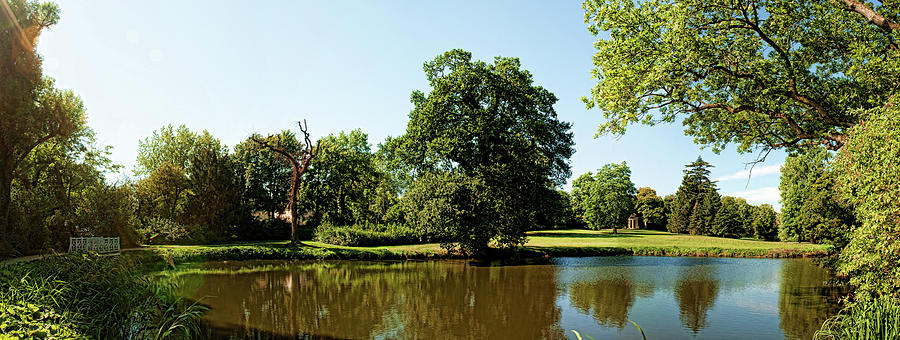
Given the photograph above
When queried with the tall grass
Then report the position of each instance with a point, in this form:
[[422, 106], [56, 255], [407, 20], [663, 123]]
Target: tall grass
[[91, 296], [878, 320]]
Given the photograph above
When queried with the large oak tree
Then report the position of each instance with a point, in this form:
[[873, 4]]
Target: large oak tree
[[491, 129], [761, 74]]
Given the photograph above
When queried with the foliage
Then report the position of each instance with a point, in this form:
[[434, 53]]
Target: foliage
[[557, 212], [694, 184], [32, 110], [879, 320], [265, 175], [765, 74], [363, 235], [455, 207], [811, 210], [490, 127], [581, 191], [160, 230], [764, 223], [342, 181], [704, 213], [728, 221], [610, 198], [191, 180], [651, 208], [868, 181], [91, 296]]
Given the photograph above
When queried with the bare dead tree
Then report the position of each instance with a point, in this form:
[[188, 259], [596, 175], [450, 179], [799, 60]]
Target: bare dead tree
[[299, 162]]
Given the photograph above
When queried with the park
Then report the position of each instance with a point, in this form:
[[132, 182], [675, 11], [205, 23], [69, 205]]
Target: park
[[501, 170]]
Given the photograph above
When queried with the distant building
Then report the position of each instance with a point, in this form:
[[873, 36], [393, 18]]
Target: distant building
[[634, 221]]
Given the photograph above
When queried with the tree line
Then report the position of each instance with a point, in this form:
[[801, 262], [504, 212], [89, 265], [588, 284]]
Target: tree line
[[607, 199]]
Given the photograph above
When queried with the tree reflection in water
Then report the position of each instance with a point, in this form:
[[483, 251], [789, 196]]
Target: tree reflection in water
[[446, 299], [696, 292], [804, 302]]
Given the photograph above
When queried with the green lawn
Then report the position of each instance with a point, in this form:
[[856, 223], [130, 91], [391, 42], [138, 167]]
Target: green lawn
[[575, 242], [651, 238]]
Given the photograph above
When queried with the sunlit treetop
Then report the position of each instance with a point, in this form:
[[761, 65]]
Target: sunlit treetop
[[759, 74]]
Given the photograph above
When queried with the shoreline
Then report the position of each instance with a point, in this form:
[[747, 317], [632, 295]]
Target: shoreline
[[185, 254]]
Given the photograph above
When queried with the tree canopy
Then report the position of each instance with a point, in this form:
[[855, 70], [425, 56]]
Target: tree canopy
[[610, 197], [760, 74], [492, 125], [689, 197]]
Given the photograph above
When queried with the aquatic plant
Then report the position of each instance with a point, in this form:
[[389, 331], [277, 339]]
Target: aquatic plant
[[876, 320]]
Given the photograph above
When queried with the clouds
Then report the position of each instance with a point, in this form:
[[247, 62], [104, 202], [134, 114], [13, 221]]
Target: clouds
[[758, 196], [757, 172]]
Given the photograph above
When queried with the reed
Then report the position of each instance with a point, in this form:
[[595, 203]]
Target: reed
[[877, 320]]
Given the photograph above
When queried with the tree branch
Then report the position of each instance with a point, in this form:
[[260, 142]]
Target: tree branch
[[870, 14]]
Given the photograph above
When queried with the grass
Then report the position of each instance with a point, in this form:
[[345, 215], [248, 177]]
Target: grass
[[574, 242], [80, 296], [651, 242], [873, 320]]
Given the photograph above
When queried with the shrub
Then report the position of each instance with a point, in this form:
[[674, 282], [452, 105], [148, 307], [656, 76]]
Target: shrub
[[362, 235], [868, 181]]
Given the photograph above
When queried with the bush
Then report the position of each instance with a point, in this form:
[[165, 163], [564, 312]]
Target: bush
[[867, 179], [363, 235]]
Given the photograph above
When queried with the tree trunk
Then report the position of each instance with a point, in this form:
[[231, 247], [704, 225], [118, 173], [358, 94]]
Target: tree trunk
[[292, 205], [5, 199]]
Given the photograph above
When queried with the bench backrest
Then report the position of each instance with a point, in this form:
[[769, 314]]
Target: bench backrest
[[98, 244]]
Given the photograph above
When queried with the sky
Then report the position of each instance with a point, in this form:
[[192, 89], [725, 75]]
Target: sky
[[238, 67]]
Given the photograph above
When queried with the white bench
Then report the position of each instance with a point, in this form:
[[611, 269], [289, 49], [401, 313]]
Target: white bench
[[97, 244]]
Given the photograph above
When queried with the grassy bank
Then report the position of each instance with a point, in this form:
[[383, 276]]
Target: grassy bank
[[82, 296], [541, 243]]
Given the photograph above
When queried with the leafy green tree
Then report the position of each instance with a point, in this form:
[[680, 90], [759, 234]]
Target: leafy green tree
[[810, 209], [266, 175], [694, 184], [669, 203], [581, 190], [447, 205], [489, 124], [869, 183], [824, 218], [32, 110], [765, 74], [728, 220], [765, 222], [59, 191], [745, 216], [651, 208], [189, 180], [342, 180], [214, 189], [798, 174], [557, 212], [611, 197]]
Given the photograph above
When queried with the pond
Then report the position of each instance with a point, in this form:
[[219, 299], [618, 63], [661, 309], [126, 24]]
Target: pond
[[669, 297]]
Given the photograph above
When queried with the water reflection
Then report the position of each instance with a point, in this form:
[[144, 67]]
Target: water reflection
[[696, 293], [383, 300], [804, 302], [671, 298]]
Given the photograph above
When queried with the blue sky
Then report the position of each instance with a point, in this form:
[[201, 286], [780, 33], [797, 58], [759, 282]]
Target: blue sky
[[238, 67]]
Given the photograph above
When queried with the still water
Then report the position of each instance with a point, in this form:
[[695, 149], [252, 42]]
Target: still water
[[669, 297]]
